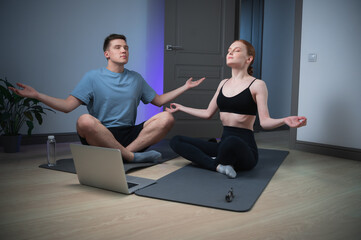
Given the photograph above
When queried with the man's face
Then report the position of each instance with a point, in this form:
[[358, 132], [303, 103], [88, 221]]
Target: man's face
[[117, 52]]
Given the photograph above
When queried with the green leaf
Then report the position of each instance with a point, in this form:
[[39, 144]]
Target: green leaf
[[5, 92], [29, 115], [27, 102], [16, 110], [38, 109], [48, 109], [4, 116], [38, 117], [7, 83], [2, 103], [30, 127], [35, 101]]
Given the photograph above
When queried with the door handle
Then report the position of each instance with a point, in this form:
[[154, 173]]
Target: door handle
[[171, 47]]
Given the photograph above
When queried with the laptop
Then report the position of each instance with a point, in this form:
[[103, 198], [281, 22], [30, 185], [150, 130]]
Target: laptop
[[103, 168]]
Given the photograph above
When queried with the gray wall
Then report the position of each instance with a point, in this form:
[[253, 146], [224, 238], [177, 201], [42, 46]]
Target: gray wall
[[277, 58], [329, 89], [51, 44]]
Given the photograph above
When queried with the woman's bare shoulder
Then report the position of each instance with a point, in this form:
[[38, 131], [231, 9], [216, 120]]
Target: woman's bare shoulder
[[222, 83], [259, 83], [259, 87]]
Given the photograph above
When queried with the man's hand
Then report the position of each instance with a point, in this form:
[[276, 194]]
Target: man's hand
[[160, 100], [26, 91], [191, 84]]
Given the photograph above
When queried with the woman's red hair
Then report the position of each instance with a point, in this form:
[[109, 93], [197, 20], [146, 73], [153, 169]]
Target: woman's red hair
[[251, 52]]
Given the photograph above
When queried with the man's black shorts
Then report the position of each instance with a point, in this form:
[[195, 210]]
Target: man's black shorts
[[124, 135]]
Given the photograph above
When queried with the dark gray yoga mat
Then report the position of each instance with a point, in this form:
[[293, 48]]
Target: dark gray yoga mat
[[193, 185], [67, 164]]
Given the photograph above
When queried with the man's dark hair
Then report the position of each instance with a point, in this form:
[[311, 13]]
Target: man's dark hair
[[112, 37]]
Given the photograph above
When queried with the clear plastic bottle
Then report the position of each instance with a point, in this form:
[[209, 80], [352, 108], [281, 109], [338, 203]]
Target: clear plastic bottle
[[51, 149]]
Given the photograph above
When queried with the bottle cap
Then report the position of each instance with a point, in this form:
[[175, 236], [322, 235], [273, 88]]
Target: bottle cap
[[51, 137]]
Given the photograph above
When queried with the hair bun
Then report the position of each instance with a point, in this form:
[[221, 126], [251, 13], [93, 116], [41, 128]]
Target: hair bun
[[250, 70]]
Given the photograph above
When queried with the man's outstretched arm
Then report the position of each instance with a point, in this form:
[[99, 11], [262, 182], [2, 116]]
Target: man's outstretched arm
[[63, 105], [160, 100]]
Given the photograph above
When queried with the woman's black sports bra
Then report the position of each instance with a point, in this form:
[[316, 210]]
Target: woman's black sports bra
[[242, 103]]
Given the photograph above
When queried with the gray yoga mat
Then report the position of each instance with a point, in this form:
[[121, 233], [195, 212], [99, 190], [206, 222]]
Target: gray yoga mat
[[197, 186], [67, 164]]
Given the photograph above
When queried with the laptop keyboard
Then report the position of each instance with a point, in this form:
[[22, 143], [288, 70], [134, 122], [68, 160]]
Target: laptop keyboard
[[130, 185]]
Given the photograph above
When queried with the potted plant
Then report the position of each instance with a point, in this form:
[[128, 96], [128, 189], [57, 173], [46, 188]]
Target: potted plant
[[14, 112]]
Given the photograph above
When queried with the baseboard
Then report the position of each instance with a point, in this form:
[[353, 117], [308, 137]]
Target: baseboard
[[41, 138], [329, 150]]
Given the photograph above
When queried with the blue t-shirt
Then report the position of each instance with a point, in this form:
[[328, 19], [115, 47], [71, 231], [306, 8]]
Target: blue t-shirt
[[113, 98]]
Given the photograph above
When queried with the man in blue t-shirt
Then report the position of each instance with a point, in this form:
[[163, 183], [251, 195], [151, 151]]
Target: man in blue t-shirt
[[112, 95]]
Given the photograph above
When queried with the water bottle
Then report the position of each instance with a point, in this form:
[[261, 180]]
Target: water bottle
[[51, 149]]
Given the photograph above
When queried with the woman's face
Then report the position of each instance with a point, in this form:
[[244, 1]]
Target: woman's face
[[237, 55]]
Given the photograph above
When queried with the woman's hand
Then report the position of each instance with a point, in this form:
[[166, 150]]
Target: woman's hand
[[174, 107], [295, 121]]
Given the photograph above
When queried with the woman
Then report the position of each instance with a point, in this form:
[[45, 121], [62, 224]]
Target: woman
[[238, 100]]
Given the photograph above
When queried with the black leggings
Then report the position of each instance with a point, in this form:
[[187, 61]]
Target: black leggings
[[237, 148]]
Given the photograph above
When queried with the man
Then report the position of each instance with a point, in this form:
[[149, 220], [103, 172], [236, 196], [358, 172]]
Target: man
[[112, 95]]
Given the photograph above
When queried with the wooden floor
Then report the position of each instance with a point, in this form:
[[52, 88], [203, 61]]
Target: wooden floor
[[310, 197]]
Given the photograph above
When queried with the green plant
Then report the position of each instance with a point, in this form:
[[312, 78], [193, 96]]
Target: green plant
[[16, 110]]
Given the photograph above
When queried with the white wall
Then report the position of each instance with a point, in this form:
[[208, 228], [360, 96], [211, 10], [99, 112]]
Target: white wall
[[51, 44], [330, 89]]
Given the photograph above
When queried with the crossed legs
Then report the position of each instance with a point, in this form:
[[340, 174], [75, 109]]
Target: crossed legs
[[202, 153], [228, 156], [96, 134]]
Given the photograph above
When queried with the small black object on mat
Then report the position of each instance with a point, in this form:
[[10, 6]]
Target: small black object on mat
[[67, 164], [198, 186]]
